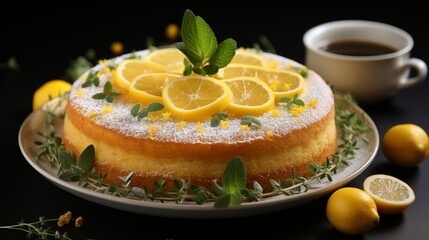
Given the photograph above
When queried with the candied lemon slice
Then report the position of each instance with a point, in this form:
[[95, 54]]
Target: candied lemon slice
[[148, 87], [284, 83], [170, 58], [195, 98], [249, 96], [129, 69], [389, 193]]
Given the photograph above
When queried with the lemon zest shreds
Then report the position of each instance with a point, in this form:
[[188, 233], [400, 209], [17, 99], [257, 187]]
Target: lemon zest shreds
[[296, 111], [313, 103], [181, 125], [276, 112], [245, 128], [200, 127], [107, 109], [269, 133], [91, 114], [166, 116], [79, 92], [224, 124]]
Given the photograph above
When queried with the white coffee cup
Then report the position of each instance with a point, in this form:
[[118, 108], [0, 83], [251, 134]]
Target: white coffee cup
[[369, 78]]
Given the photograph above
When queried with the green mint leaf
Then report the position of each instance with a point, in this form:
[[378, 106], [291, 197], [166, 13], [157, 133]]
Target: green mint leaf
[[86, 158], [224, 53], [109, 98], [215, 121], [65, 158], [234, 176], [223, 201], [210, 69], [142, 114], [207, 42], [99, 96], [188, 67], [235, 199], [217, 189], [135, 110], [155, 106], [284, 100], [107, 87], [190, 37]]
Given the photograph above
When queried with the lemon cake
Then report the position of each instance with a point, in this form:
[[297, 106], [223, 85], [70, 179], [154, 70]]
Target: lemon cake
[[164, 145]]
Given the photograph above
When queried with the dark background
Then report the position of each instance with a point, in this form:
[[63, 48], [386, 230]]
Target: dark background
[[45, 41]]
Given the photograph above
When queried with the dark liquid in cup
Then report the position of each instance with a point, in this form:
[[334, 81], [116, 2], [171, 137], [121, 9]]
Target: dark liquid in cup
[[358, 48]]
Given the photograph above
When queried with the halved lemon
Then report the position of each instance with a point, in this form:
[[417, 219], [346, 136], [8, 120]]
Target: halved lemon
[[195, 98], [248, 57], [129, 69], [391, 194], [249, 96], [50, 90], [170, 58], [284, 83], [148, 87]]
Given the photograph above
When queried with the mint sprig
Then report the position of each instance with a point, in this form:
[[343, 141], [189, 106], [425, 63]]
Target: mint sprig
[[204, 55]]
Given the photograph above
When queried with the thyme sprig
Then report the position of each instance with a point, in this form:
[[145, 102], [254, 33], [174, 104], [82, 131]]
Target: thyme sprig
[[233, 190], [41, 229]]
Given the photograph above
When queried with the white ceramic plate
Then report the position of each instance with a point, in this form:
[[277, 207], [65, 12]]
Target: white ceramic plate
[[365, 155]]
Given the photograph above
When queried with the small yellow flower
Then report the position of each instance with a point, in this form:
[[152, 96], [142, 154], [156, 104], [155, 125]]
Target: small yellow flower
[[117, 48], [200, 127], [295, 111], [153, 117], [78, 222], [287, 86], [313, 103], [79, 92], [276, 112], [224, 124], [181, 125], [83, 78], [64, 219], [152, 131], [269, 134], [245, 128], [106, 70], [166, 116], [107, 109], [274, 85]]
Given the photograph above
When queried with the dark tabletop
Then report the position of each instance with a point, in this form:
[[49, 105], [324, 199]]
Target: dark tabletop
[[45, 42]]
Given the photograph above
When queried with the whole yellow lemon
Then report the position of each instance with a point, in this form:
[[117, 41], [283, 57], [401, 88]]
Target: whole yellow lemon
[[48, 91], [406, 145], [352, 211]]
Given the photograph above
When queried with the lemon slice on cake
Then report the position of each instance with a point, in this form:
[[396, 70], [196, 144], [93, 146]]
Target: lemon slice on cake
[[195, 98], [148, 87], [129, 69], [284, 83], [248, 57], [170, 58], [250, 96]]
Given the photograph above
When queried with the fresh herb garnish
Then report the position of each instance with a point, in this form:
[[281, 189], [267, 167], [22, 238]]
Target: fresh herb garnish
[[217, 118], [204, 55], [249, 121], [91, 79], [107, 93], [291, 101], [136, 110]]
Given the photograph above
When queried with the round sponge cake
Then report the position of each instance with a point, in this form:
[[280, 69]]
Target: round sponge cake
[[161, 147]]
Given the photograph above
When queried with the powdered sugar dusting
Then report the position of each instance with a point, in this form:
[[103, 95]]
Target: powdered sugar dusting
[[119, 119]]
